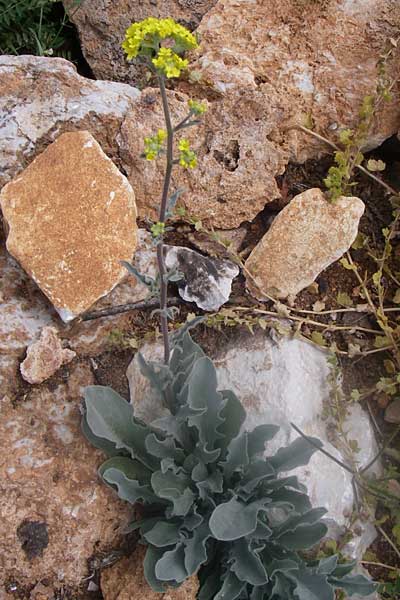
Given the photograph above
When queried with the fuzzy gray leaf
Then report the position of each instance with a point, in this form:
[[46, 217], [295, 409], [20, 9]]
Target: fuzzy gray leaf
[[234, 519], [246, 563], [354, 584], [310, 586], [231, 588], [303, 537], [163, 534], [128, 489], [195, 548], [297, 454], [171, 567]]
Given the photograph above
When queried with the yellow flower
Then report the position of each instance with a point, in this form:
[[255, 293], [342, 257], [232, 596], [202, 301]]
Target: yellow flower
[[145, 36], [153, 145], [197, 108], [187, 157], [169, 63]]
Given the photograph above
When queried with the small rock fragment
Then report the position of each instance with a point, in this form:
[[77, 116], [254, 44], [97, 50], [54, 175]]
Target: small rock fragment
[[71, 218], [126, 581], [208, 282], [392, 413], [305, 238], [45, 357]]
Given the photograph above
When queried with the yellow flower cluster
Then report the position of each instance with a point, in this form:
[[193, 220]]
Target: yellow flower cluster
[[153, 145], [197, 108], [144, 38], [187, 157], [169, 63]]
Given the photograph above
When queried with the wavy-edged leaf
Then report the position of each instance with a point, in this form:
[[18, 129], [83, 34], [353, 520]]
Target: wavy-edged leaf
[[234, 519], [310, 586], [101, 443], [131, 468], [327, 565], [259, 437], [164, 533], [233, 415], [255, 473], [130, 490], [153, 555], [246, 563], [354, 584], [164, 448], [297, 454], [237, 457], [171, 566], [109, 416], [303, 537], [175, 488], [195, 548], [231, 588]]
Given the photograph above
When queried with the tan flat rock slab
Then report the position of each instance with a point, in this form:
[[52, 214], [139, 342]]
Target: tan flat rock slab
[[305, 238], [71, 219]]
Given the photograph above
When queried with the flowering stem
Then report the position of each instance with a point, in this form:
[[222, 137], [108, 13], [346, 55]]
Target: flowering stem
[[163, 211]]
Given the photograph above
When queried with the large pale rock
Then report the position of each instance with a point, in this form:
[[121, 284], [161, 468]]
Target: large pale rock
[[43, 97], [307, 236], [71, 219], [54, 511], [320, 57], [102, 24], [126, 581], [279, 382], [237, 161], [45, 357], [205, 281]]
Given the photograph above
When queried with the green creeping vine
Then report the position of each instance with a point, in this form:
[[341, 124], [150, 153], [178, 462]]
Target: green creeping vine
[[211, 503]]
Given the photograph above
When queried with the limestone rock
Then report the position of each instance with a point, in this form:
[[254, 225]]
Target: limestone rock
[[71, 219], [40, 98], [45, 357], [206, 281], [278, 382], [23, 313], [320, 57], [55, 513], [237, 161], [102, 24], [126, 581], [305, 238]]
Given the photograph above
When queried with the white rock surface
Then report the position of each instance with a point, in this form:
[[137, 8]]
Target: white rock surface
[[42, 97], [279, 382], [207, 281]]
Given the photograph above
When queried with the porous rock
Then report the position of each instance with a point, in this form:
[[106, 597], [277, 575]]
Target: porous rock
[[45, 357], [71, 219], [237, 160], [279, 382], [305, 238], [102, 24], [206, 281], [55, 513], [320, 57], [40, 98], [126, 581]]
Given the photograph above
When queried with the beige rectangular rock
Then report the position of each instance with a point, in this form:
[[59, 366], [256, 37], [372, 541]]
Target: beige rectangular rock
[[71, 219]]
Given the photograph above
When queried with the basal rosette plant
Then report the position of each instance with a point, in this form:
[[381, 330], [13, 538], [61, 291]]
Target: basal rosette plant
[[211, 502]]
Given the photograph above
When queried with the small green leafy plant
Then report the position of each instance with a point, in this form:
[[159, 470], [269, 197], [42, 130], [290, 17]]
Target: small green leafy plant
[[210, 502]]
